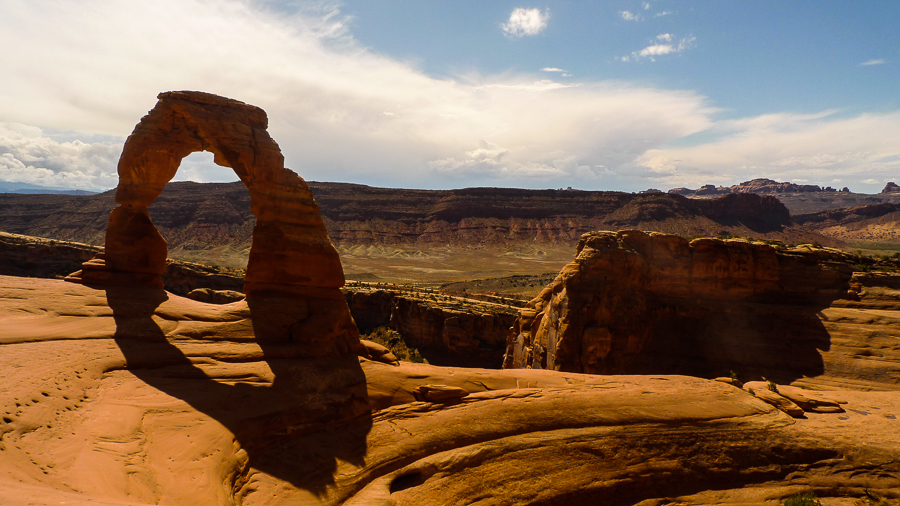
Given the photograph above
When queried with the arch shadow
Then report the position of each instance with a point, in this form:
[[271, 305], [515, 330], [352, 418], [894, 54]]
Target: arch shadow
[[314, 412]]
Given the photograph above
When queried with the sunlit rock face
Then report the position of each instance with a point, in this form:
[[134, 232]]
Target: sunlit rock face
[[293, 273], [645, 302]]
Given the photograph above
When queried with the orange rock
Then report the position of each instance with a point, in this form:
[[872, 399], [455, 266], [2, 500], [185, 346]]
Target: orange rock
[[293, 266], [706, 305], [779, 401]]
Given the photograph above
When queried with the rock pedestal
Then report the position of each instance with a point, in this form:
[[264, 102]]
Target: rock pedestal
[[294, 273]]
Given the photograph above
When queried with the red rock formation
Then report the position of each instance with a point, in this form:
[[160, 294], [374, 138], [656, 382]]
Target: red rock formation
[[700, 307], [293, 273]]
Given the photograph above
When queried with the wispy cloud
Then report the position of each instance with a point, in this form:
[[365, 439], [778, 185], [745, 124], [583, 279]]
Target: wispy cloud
[[666, 44], [663, 13], [645, 5], [877, 61], [630, 16], [524, 22], [562, 72]]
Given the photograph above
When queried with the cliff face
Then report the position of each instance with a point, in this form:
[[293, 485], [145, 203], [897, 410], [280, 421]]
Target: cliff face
[[449, 331], [634, 302]]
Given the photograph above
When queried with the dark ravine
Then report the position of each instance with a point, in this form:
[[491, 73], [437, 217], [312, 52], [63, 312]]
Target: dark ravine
[[445, 330]]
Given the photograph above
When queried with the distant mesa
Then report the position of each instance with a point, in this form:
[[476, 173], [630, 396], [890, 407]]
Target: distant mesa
[[891, 187], [293, 275], [760, 185]]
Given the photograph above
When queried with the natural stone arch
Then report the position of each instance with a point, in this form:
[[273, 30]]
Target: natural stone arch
[[293, 272]]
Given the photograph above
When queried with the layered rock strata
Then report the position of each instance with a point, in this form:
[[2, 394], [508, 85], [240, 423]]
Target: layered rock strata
[[293, 275], [635, 302]]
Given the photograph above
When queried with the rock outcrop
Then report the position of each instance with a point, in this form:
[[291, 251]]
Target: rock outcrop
[[891, 187], [445, 330], [293, 275], [759, 185], [635, 302]]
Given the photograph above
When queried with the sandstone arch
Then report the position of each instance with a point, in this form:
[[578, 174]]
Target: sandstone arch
[[293, 273]]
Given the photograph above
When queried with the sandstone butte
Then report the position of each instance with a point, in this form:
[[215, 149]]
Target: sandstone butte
[[117, 392]]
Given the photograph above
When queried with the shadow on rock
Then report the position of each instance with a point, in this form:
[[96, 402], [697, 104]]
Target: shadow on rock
[[293, 426]]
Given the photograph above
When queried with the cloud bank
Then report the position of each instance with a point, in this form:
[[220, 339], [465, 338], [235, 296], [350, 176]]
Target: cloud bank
[[787, 147]]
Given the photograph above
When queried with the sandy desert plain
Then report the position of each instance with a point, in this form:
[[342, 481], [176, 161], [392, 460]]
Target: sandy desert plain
[[616, 367]]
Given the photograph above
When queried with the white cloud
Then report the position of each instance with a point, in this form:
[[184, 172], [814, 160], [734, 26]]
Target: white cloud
[[654, 50], [630, 16], [645, 5], [878, 61], [552, 69], [663, 13], [815, 147], [28, 156], [524, 22]]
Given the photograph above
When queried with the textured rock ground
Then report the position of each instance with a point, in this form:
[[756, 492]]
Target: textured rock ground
[[119, 396]]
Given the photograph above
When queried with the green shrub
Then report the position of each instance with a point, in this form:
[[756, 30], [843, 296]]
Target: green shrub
[[807, 499], [392, 340]]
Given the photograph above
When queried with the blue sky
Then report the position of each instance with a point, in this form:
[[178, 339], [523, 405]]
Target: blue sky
[[618, 95]]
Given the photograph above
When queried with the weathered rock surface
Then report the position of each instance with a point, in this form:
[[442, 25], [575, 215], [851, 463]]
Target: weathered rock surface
[[44, 258], [123, 396], [293, 272], [211, 296], [635, 302]]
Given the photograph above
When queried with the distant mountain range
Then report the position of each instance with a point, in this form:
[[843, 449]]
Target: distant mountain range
[[198, 218], [27, 188], [798, 198]]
